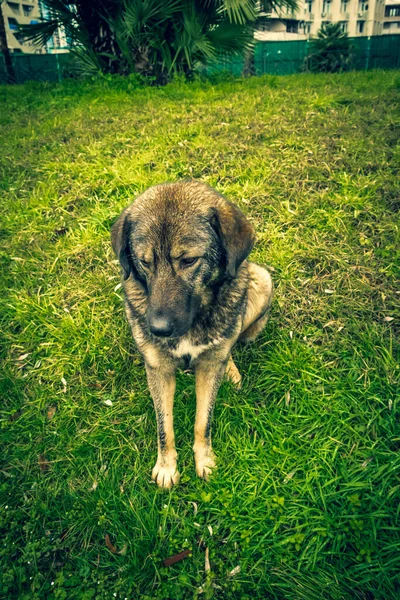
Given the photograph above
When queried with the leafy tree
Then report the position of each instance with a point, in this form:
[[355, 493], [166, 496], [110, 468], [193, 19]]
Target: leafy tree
[[330, 51], [155, 38]]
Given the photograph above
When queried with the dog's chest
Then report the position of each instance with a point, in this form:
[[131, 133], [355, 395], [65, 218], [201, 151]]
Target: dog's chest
[[191, 351]]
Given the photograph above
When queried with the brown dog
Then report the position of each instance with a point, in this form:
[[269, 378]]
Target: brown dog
[[190, 295]]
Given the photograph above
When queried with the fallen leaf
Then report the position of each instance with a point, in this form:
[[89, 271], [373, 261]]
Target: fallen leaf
[[327, 291], [287, 398], [23, 356], [109, 545], [207, 561], [123, 550], [51, 411], [291, 334], [108, 402], [64, 384], [289, 476], [176, 558], [234, 571], [328, 324], [43, 463], [94, 486], [390, 404], [210, 529], [195, 507], [388, 319]]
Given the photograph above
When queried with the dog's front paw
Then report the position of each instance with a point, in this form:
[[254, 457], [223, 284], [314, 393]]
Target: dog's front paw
[[232, 373], [205, 463], [165, 476]]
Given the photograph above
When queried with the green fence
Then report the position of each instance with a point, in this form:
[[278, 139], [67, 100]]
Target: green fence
[[36, 67], [285, 58], [276, 58]]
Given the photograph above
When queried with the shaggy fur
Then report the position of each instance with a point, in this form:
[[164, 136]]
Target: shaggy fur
[[190, 295]]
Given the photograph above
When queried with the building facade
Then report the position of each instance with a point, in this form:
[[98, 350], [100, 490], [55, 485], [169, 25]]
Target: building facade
[[28, 12], [391, 19], [356, 18], [20, 13]]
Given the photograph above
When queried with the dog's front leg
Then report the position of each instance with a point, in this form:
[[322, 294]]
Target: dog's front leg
[[208, 379], [162, 389]]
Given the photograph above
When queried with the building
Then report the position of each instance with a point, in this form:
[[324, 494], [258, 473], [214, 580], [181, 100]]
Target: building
[[20, 13], [356, 17], [28, 12], [391, 19]]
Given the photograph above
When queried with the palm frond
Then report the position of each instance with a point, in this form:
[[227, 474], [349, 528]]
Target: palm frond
[[191, 39], [39, 33], [240, 11], [63, 15], [237, 11], [87, 62], [231, 38]]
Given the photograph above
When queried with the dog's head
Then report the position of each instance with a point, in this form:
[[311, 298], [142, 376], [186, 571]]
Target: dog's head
[[180, 242]]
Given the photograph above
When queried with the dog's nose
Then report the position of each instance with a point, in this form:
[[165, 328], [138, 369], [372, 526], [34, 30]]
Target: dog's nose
[[161, 326]]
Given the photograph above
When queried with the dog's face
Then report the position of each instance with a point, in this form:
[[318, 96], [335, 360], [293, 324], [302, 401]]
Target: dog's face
[[180, 241]]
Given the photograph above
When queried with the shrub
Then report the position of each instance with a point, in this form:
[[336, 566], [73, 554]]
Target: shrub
[[330, 51]]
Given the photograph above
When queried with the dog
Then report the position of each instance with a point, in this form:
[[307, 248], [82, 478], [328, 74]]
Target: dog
[[190, 294]]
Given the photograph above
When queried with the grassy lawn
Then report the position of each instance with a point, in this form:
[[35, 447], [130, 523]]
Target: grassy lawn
[[305, 502]]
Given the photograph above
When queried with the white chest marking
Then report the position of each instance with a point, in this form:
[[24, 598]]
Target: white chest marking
[[186, 347]]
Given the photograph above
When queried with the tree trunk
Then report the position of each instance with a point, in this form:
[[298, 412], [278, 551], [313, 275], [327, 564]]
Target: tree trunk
[[248, 64], [4, 48]]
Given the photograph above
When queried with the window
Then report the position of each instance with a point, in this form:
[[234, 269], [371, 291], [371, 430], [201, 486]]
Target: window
[[362, 5], [12, 23], [360, 26], [386, 26], [20, 38], [307, 27], [392, 11], [14, 7], [343, 6], [308, 7], [343, 26], [292, 26], [26, 9], [326, 7]]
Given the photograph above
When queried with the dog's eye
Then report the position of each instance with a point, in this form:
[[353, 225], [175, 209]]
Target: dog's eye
[[188, 262], [144, 263]]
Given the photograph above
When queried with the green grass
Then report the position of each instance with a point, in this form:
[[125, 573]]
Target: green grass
[[306, 496]]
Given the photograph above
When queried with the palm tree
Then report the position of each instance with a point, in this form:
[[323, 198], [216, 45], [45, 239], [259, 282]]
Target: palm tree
[[5, 50], [330, 51], [155, 38]]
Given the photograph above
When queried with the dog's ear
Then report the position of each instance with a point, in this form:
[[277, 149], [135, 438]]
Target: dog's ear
[[235, 233], [120, 234]]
